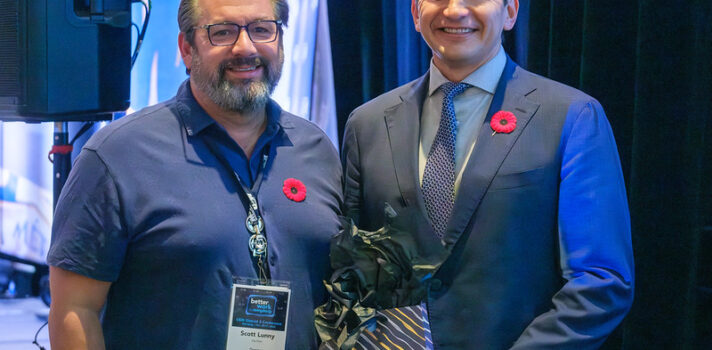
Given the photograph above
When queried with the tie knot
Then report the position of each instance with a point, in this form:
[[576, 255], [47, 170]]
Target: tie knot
[[453, 89]]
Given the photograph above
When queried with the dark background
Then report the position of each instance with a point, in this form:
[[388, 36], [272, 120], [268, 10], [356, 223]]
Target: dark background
[[648, 63]]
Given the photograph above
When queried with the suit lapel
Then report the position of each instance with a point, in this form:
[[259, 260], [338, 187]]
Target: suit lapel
[[403, 125], [490, 151]]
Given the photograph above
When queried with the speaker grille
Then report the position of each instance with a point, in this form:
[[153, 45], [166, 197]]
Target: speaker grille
[[9, 49]]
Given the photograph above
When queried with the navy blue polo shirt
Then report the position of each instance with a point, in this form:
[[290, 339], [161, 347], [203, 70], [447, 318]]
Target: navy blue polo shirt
[[247, 169], [151, 209]]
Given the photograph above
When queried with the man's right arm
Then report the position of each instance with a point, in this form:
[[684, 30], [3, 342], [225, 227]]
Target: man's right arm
[[74, 313], [352, 173]]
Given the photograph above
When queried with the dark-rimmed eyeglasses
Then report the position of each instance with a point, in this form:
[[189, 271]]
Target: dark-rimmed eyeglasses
[[225, 34]]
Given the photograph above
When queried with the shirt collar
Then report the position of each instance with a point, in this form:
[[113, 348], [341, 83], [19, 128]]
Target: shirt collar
[[486, 77], [195, 119]]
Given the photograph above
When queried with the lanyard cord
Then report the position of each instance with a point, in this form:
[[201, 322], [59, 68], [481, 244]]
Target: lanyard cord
[[254, 223]]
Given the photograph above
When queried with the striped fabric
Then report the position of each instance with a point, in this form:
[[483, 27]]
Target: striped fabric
[[404, 328]]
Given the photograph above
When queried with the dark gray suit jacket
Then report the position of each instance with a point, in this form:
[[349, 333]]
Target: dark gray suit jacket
[[540, 232]]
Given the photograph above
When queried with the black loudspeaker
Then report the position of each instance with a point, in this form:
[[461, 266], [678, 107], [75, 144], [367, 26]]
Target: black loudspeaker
[[64, 60]]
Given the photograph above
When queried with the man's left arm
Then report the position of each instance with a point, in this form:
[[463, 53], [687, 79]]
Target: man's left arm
[[594, 237]]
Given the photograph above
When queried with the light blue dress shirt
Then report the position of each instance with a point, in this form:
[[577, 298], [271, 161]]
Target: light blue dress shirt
[[470, 110]]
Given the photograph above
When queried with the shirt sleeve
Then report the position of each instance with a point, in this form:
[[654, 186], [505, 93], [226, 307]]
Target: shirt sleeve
[[88, 237], [594, 237]]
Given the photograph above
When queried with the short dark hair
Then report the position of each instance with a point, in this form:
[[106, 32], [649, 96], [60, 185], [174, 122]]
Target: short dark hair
[[188, 13]]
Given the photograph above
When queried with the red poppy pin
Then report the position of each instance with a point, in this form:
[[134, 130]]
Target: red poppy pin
[[294, 190], [504, 122]]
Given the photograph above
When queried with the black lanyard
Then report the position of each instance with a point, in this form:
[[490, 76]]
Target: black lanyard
[[254, 223]]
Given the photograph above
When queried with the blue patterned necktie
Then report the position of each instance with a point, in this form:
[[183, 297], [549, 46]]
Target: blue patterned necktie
[[439, 175]]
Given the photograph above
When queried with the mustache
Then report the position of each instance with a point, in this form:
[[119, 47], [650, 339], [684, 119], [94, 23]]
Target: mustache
[[242, 61]]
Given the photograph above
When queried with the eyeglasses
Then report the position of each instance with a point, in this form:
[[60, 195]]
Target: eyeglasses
[[226, 34]]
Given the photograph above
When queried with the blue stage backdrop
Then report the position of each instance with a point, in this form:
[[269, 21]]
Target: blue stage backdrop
[[25, 190], [306, 89]]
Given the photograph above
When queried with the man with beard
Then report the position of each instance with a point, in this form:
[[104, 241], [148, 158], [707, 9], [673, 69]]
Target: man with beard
[[161, 210]]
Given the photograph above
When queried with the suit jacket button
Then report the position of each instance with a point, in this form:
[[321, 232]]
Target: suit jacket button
[[436, 284]]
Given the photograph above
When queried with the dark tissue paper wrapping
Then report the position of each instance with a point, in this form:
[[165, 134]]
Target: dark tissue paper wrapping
[[376, 270]]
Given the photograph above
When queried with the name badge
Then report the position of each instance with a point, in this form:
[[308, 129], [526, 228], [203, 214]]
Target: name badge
[[258, 316]]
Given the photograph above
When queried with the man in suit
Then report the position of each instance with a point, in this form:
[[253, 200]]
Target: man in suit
[[532, 206]]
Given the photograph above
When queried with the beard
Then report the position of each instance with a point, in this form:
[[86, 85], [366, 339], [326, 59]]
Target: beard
[[246, 96]]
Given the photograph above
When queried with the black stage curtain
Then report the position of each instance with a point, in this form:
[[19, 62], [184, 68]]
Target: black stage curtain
[[648, 62], [375, 48]]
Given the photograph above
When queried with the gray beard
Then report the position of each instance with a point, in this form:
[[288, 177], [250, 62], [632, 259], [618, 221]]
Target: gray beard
[[244, 97]]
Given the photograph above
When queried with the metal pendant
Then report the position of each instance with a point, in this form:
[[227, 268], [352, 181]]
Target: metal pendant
[[258, 245], [254, 223]]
